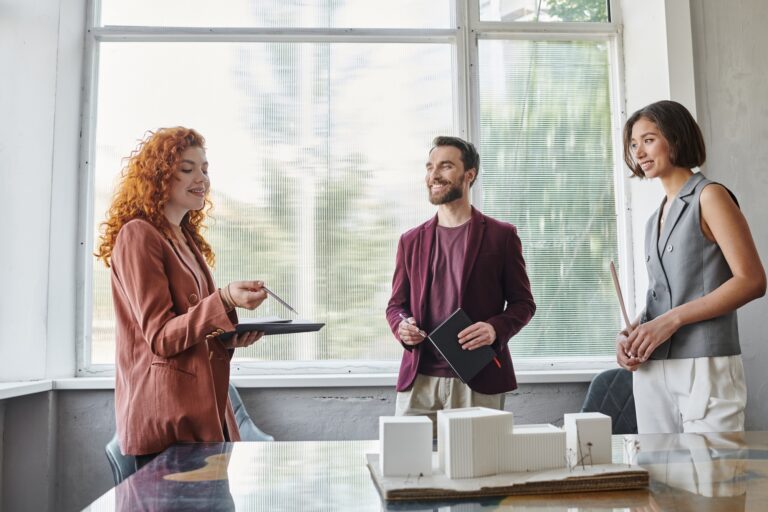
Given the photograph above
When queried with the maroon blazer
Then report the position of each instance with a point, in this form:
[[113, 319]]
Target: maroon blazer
[[172, 373], [494, 289]]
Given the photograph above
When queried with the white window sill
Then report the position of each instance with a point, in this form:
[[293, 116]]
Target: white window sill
[[15, 389]]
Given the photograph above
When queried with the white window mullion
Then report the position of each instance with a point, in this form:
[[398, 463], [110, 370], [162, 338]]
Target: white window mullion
[[621, 184], [472, 17], [311, 35], [87, 215]]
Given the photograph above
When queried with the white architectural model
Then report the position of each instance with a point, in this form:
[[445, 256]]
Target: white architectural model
[[589, 436], [468, 441], [476, 442], [533, 448], [405, 445]]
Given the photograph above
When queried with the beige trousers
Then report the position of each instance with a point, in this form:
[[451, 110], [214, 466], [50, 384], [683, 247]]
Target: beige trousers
[[705, 394], [431, 394]]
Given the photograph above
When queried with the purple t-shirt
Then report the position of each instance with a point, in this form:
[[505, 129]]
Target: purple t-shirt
[[447, 267]]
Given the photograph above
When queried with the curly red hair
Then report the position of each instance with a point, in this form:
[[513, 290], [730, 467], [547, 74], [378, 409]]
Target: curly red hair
[[144, 190]]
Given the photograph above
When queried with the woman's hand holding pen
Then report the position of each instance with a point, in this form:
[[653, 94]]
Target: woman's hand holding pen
[[246, 294], [409, 332]]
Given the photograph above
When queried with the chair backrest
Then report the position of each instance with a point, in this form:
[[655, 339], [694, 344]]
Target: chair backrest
[[248, 429], [610, 393], [122, 466]]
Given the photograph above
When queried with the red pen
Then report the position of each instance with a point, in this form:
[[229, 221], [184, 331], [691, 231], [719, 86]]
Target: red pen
[[496, 360]]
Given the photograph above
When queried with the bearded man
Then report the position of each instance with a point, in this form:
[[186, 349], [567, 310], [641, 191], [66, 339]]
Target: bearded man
[[459, 258]]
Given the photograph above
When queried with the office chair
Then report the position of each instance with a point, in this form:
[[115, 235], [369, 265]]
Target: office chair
[[610, 393], [248, 429], [124, 466]]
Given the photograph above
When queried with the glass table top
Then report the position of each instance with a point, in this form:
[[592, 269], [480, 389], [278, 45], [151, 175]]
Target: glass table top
[[696, 472]]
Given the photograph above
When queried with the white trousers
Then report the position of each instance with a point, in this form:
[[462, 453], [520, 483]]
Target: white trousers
[[705, 394]]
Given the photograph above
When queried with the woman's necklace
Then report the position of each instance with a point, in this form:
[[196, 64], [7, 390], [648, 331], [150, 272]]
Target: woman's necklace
[[664, 212], [178, 235]]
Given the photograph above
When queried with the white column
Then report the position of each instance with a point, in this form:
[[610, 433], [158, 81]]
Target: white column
[[41, 47], [658, 65]]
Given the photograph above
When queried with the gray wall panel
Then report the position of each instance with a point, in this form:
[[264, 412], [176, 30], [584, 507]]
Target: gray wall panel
[[29, 452], [85, 423], [2, 428]]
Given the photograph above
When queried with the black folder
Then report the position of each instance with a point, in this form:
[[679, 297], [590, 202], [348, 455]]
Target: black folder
[[465, 363], [272, 326]]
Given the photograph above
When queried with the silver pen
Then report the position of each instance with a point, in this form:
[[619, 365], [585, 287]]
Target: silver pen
[[405, 319], [278, 299]]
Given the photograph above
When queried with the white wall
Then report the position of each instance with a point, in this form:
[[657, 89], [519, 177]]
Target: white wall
[[730, 39], [40, 56], [658, 65]]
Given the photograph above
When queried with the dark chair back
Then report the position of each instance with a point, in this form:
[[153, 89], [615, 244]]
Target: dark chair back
[[611, 394], [122, 466]]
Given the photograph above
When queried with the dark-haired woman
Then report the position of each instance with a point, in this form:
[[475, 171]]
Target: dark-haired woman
[[702, 266]]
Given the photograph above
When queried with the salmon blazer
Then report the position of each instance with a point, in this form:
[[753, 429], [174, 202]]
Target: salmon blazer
[[494, 289], [172, 374]]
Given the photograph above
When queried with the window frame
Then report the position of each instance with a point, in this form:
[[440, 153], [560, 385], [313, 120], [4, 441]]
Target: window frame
[[464, 35], [611, 33]]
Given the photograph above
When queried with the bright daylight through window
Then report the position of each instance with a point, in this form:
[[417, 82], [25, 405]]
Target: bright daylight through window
[[317, 138]]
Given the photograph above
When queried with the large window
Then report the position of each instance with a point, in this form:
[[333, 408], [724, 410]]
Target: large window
[[546, 140], [318, 117]]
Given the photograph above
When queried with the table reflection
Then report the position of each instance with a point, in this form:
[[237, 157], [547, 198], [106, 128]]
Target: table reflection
[[707, 471], [689, 472], [160, 485]]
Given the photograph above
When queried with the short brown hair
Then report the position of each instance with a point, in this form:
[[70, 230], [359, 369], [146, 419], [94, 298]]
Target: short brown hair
[[676, 124], [469, 155]]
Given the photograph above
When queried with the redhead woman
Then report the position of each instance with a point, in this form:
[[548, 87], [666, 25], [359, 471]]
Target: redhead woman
[[702, 266], [172, 371]]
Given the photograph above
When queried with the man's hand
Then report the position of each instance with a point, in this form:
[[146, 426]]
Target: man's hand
[[477, 335], [409, 332]]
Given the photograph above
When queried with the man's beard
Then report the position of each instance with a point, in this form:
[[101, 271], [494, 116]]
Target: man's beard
[[453, 193]]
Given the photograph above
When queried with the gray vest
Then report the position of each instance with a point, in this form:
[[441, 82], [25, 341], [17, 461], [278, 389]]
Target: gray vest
[[682, 266]]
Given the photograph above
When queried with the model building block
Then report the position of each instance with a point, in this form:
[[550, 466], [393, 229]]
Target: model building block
[[405, 445], [533, 448], [588, 437], [470, 440]]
